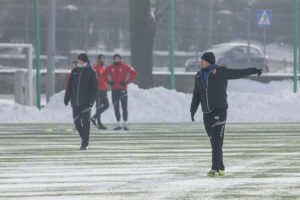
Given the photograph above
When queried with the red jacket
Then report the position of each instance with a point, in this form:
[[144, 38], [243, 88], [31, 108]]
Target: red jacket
[[101, 80], [118, 74], [67, 81]]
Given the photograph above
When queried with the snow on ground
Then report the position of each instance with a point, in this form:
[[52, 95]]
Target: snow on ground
[[248, 101], [6, 99]]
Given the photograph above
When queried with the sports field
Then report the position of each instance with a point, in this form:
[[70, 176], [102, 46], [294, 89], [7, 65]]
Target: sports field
[[152, 161]]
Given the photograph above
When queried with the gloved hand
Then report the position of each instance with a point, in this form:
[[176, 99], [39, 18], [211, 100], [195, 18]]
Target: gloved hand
[[259, 72], [111, 83], [123, 83], [66, 102], [192, 116]]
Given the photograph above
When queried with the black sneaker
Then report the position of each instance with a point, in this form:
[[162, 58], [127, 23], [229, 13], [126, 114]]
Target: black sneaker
[[94, 121], [101, 127], [126, 128], [84, 147], [117, 128]]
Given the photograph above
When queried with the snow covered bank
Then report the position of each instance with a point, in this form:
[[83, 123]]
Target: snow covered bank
[[248, 101]]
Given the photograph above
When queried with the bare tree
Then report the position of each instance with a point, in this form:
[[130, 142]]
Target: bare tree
[[142, 32], [144, 15]]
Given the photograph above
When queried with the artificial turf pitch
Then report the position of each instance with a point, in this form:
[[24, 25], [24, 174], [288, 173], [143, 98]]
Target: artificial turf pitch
[[151, 161]]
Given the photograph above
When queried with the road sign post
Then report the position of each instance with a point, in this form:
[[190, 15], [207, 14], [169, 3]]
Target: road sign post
[[264, 21], [37, 52], [295, 44], [172, 44]]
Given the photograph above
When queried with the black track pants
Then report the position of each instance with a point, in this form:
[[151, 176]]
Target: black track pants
[[101, 104], [81, 116], [214, 123], [117, 97]]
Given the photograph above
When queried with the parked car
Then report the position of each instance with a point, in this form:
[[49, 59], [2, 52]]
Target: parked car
[[233, 55]]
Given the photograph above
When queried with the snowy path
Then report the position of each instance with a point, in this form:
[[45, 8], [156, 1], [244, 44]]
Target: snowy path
[[153, 161]]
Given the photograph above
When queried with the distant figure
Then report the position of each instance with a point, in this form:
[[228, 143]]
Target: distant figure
[[101, 101], [210, 90], [82, 89], [73, 65], [118, 72]]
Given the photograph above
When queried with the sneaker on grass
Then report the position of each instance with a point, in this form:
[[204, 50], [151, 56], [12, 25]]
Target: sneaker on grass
[[222, 172], [213, 173], [117, 128]]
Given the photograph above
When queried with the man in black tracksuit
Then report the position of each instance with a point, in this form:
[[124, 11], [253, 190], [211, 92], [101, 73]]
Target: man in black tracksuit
[[82, 90], [210, 90]]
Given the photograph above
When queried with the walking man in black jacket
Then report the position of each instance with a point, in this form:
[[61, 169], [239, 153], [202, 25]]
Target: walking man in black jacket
[[210, 90], [82, 90]]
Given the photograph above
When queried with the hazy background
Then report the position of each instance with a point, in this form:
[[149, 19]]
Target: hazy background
[[108, 21]]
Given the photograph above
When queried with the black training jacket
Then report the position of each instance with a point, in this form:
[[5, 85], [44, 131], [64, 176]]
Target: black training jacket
[[214, 96], [82, 87]]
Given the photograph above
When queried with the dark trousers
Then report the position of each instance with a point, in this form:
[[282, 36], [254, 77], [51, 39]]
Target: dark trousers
[[215, 126], [117, 97], [81, 116], [101, 104]]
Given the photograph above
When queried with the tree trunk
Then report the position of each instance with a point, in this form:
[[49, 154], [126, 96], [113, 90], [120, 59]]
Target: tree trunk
[[142, 32]]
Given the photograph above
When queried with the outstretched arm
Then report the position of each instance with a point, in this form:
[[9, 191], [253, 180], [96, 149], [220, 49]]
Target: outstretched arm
[[240, 73]]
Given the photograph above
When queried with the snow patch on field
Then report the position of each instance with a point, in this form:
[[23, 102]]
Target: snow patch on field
[[248, 101]]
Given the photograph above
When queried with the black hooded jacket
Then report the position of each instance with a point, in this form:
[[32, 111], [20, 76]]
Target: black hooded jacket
[[82, 87], [214, 95]]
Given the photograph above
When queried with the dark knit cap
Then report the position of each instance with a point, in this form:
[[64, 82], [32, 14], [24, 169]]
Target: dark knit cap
[[83, 57], [117, 56], [99, 57], [209, 57]]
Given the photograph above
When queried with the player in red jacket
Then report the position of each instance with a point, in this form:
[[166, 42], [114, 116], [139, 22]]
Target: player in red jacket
[[118, 73], [101, 101], [74, 64]]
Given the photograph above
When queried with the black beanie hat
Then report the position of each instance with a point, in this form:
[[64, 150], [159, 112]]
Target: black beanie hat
[[209, 57], [83, 57], [117, 55], [99, 57]]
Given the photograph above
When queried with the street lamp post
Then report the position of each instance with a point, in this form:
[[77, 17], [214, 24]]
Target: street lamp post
[[172, 44]]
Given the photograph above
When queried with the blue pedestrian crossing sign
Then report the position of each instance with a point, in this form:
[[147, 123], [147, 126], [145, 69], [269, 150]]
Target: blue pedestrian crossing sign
[[264, 18]]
